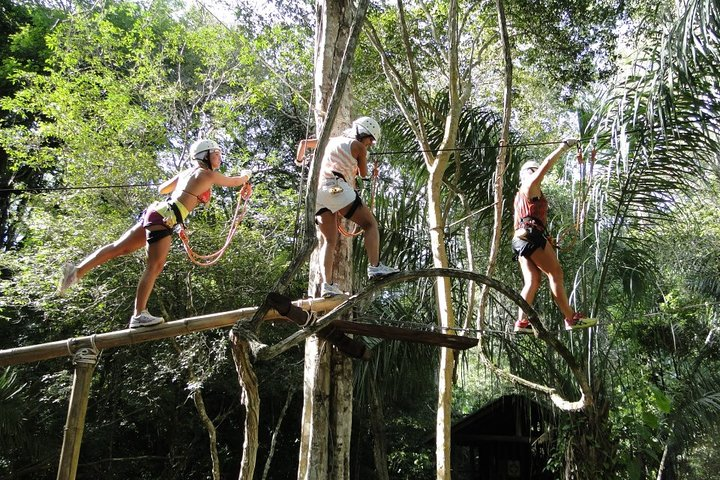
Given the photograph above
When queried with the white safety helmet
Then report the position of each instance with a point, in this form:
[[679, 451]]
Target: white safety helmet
[[526, 168], [367, 125], [199, 149], [530, 164]]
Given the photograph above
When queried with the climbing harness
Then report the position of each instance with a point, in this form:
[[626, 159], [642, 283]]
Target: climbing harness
[[373, 190], [211, 259]]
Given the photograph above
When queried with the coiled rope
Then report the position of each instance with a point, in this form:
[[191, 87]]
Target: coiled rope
[[211, 259]]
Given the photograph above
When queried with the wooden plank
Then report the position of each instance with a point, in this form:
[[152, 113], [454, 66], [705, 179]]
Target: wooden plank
[[102, 341], [438, 339]]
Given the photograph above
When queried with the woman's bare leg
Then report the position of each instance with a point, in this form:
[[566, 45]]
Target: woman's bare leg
[[130, 241], [327, 226], [531, 282], [547, 261], [371, 236], [157, 254]]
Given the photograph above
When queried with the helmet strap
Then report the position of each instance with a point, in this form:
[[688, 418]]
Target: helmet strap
[[205, 160]]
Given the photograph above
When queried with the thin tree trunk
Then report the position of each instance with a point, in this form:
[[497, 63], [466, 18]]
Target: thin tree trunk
[[341, 408], [447, 319], [250, 399], [500, 164], [313, 463], [446, 313], [212, 432], [85, 361], [663, 463], [377, 423], [470, 259], [204, 417], [276, 432]]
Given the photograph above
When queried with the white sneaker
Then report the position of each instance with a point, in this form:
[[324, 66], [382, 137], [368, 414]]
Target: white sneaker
[[328, 290], [69, 278], [380, 271], [145, 320]]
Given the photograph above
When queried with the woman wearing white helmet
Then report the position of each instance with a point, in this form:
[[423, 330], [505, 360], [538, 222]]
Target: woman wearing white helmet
[[531, 245], [186, 190], [345, 157]]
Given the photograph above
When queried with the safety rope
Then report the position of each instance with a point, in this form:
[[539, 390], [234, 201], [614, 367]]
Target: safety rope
[[574, 231], [373, 190], [211, 259], [304, 169]]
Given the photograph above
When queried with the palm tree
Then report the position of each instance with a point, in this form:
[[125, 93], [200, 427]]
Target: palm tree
[[656, 133]]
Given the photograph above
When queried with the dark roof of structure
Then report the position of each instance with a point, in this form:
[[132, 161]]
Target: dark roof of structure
[[510, 418]]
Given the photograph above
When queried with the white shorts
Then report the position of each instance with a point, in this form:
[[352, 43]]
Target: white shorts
[[334, 194]]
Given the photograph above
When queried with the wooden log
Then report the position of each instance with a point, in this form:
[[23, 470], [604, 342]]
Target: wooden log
[[437, 339], [250, 398], [85, 361], [103, 341]]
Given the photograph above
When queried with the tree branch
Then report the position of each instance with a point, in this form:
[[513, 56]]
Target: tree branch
[[541, 332]]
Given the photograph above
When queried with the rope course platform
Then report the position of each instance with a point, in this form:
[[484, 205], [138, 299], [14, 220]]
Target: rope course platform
[[103, 341], [457, 342], [335, 332]]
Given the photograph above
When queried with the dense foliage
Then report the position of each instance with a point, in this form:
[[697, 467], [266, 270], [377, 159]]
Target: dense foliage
[[99, 102]]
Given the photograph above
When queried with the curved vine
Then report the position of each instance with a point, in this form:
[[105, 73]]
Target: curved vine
[[586, 395]]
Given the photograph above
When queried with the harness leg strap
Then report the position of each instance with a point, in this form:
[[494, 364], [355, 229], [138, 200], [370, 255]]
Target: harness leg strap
[[357, 203]]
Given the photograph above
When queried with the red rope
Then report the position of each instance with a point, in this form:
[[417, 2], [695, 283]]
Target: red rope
[[211, 259], [373, 189]]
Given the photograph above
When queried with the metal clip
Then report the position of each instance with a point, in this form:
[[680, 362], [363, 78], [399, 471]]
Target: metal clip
[[336, 189]]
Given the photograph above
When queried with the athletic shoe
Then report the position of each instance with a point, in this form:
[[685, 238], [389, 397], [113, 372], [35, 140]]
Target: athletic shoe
[[380, 271], [69, 278], [145, 320], [328, 290], [523, 326], [579, 321]]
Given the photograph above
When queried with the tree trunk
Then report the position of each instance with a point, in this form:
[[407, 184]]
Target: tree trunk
[[204, 417], [412, 109], [589, 453], [212, 432], [338, 27], [276, 433], [377, 423], [250, 400], [341, 408], [500, 166], [313, 463], [446, 317], [446, 313]]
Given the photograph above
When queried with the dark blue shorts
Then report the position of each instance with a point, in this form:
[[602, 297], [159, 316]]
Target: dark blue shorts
[[525, 245]]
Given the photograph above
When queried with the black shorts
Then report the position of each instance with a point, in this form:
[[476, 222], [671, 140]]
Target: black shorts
[[532, 240]]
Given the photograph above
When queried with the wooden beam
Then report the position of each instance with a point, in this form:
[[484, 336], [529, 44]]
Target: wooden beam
[[85, 361], [103, 341], [437, 339]]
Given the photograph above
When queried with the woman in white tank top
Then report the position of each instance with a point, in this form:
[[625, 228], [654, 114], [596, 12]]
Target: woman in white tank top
[[345, 157]]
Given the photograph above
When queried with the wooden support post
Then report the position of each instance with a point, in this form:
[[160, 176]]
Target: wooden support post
[[85, 360]]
